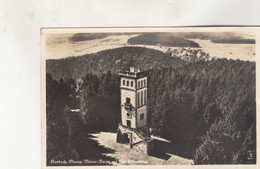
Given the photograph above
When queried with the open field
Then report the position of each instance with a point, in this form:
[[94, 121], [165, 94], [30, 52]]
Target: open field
[[58, 46], [229, 51]]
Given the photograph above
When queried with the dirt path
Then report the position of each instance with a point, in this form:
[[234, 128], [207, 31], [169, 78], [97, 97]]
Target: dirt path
[[127, 156]]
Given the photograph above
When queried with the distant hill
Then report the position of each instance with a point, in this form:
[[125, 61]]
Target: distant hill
[[162, 39], [87, 36], [217, 37], [234, 41], [109, 60], [92, 36], [174, 39]]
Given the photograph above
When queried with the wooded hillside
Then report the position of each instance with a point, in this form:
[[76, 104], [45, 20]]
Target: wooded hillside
[[109, 60], [206, 108], [162, 39]]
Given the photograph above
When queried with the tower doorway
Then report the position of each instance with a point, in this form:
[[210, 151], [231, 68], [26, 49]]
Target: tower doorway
[[128, 123]]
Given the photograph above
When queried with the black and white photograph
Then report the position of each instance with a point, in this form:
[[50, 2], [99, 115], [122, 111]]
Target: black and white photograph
[[148, 96]]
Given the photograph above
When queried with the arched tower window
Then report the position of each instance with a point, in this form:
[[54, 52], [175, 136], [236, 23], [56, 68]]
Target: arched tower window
[[145, 96], [138, 84], [142, 97], [138, 99], [128, 100], [142, 83], [123, 82], [127, 83], [132, 83]]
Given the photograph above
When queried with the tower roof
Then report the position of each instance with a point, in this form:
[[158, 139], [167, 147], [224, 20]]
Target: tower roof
[[133, 72]]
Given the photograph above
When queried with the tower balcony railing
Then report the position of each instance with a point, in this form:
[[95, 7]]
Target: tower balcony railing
[[128, 106], [135, 74], [127, 73]]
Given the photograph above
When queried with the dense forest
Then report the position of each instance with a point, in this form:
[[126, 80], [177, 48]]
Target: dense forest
[[207, 108], [75, 108], [109, 60]]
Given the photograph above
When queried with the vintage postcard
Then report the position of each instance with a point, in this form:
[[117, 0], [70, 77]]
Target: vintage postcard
[[148, 96]]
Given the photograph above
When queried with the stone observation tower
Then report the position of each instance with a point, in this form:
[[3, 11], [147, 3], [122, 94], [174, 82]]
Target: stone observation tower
[[133, 128]]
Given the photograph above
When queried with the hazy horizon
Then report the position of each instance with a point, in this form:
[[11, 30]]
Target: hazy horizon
[[59, 46]]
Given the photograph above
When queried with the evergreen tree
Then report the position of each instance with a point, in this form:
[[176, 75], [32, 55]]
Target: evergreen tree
[[222, 144]]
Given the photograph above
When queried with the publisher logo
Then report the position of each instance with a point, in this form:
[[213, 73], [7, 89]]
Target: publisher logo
[[250, 155]]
